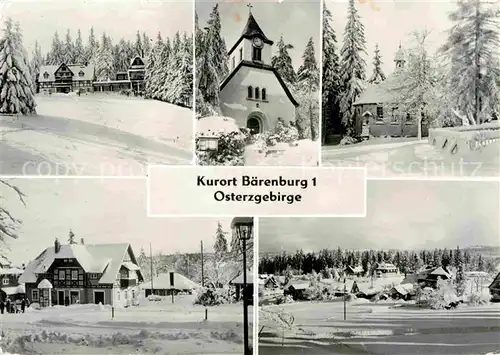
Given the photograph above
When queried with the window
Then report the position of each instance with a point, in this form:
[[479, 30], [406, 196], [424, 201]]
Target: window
[[74, 274], [257, 93], [81, 73], [34, 295], [14, 71], [234, 62], [241, 54], [202, 145], [5, 281], [62, 274], [257, 54], [46, 75], [264, 94], [250, 92], [380, 112]]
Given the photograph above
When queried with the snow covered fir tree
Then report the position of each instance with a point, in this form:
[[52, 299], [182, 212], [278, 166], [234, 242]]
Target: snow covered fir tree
[[16, 83], [455, 84], [252, 101]]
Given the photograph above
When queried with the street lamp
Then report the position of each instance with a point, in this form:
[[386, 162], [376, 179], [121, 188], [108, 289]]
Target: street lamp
[[243, 226]]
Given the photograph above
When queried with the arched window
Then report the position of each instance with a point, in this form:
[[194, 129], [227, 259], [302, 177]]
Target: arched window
[[257, 93], [45, 75], [264, 94], [250, 92]]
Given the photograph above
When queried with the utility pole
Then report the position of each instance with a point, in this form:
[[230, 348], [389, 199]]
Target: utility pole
[[202, 271], [345, 300], [151, 264], [245, 301]]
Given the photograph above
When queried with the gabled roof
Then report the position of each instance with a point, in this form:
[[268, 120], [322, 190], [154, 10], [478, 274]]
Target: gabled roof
[[140, 59], [88, 72], [496, 282], [251, 30], [247, 63], [356, 269], [385, 266], [98, 258], [11, 271], [440, 272], [383, 92], [238, 280]]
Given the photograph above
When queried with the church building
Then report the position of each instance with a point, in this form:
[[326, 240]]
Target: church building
[[253, 93], [373, 107]]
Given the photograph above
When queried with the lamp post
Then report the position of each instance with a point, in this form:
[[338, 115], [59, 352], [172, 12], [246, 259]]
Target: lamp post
[[243, 226]]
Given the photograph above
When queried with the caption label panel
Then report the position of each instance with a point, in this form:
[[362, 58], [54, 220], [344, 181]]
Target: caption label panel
[[256, 191]]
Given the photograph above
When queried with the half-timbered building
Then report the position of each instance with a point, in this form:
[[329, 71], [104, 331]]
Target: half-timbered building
[[65, 78], [132, 79], [71, 274]]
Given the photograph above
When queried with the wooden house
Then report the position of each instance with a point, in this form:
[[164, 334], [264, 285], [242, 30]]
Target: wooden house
[[169, 283], [296, 290], [65, 78], [353, 271], [494, 288], [239, 285], [99, 273], [10, 288], [133, 79], [386, 269]]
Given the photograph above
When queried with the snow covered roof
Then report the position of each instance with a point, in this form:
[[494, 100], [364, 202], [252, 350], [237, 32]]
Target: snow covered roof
[[130, 266], [214, 126], [386, 266], [80, 72], [162, 282], [97, 258], [238, 280], [380, 93], [13, 290], [137, 62], [403, 289], [440, 272], [356, 269], [11, 271], [44, 284]]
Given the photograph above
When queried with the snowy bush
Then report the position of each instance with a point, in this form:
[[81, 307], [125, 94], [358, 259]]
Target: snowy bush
[[230, 151], [212, 297], [282, 299], [348, 140]]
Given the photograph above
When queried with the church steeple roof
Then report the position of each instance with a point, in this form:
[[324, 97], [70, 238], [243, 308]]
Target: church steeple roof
[[400, 55], [252, 29]]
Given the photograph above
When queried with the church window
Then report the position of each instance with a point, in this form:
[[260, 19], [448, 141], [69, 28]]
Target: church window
[[257, 93], [380, 112], [257, 54], [241, 54], [250, 92], [264, 94], [45, 75]]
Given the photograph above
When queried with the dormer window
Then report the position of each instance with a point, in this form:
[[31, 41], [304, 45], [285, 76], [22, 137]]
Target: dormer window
[[81, 74], [5, 281], [45, 75]]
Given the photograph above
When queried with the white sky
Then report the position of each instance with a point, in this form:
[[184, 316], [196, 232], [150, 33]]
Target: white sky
[[390, 22], [39, 19], [400, 214], [100, 211], [296, 20]]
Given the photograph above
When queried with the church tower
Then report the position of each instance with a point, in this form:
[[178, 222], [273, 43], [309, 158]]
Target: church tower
[[399, 58], [252, 46]]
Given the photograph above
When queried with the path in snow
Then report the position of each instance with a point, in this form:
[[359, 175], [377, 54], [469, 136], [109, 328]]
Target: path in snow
[[94, 136], [379, 329]]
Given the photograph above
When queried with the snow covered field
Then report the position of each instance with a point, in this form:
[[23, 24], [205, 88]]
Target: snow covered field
[[95, 134], [153, 327], [386, 328]]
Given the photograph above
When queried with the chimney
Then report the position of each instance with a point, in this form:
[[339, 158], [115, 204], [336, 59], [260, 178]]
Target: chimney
[[57, 246]]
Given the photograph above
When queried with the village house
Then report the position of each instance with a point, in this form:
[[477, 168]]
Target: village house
[[386, 269], [253, 93], [169, 283], [10, 288], [296, 289], [431, 278], [375, 113], [354, 271], [70, 274], [240, 290], [65, 78]]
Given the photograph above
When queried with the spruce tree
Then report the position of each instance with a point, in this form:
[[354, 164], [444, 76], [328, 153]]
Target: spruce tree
[[9, 224], [308, 82], [16, 84], [56, 54], [216, 42], [138, 48], [352, 69], [378, 75], [152, 66], [92, 48], [68, 49], [472, 49], [104, 61], [79, 52], [36, 62], [283, 62], [331, 80], [220, 246]]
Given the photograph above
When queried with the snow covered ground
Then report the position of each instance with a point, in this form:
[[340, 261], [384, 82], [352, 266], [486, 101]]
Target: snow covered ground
[[153, 327], [304, 153], [95, 135], [387, 328]]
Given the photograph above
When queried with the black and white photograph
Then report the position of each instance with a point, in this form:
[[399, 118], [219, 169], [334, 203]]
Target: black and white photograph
[[95, 88], [411, 88], [419, 275], [84, 271], [257, 82]]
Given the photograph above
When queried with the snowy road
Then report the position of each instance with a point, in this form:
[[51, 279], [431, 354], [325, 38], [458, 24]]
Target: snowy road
[[378, 329], [94, 136], [407, 159]]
